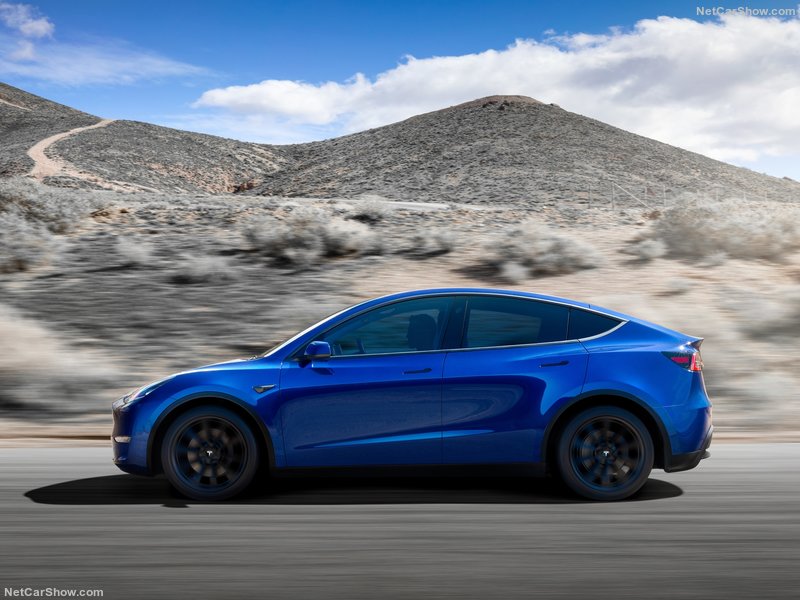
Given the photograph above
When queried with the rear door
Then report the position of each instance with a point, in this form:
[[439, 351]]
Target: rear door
[[514, 363]]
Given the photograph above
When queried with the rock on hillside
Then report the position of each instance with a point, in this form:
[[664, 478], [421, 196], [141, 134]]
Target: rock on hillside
[[505, 149]]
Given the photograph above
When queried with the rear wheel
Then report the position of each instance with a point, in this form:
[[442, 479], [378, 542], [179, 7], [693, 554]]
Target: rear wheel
[[209, 453], [605, 453]]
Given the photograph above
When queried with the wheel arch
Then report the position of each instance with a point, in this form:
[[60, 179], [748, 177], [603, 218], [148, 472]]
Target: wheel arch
[[651, 420], [242, 409]]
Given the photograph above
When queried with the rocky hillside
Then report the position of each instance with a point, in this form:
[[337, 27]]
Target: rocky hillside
[[26, 119], [508, 149], [121, 155], [497, 150]]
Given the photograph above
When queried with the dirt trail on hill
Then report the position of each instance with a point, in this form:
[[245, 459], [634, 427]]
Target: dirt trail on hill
[[46, 166], [53, 166]]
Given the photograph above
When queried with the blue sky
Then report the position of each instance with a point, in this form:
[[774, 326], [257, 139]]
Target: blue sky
[[295, 71]]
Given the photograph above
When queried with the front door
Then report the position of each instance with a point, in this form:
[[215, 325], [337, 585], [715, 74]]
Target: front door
[[378, 399]]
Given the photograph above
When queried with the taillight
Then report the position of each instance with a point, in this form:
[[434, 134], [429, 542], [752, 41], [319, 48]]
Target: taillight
[[691, 361]]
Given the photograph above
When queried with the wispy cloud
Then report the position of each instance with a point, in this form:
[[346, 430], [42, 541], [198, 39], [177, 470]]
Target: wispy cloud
[[30, 49], [727, 87], [26, 20]]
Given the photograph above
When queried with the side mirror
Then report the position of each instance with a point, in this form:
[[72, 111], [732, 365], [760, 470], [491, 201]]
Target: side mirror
[[317, 351]]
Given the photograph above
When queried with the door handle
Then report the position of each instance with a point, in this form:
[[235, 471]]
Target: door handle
[[556, 364], [417, 371]]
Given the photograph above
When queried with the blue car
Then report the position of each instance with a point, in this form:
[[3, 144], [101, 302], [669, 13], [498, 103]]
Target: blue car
[[469, 377]]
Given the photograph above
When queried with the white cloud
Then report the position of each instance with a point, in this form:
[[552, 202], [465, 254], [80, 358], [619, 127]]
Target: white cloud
[[69, 63], [727, 87], [25, 19]]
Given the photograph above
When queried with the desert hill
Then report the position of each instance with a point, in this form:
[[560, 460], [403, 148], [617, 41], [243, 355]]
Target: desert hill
[[500, 149], [507, 149]]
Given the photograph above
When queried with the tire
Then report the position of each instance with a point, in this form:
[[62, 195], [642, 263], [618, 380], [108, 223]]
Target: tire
[[209, 453], [605, 453]]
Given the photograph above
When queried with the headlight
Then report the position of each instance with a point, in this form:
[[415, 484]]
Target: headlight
[[143, 391]]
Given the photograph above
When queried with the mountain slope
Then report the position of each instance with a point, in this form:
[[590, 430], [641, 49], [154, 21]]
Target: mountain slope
[[26, 119], [500, 149], [507, 149], [122, 154]]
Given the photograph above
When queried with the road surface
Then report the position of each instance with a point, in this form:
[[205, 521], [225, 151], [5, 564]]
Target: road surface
[[729, 529]]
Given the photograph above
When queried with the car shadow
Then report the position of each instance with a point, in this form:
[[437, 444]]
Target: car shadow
[[132, 489]]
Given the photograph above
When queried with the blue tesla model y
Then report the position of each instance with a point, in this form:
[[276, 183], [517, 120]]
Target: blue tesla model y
[[469, 377]]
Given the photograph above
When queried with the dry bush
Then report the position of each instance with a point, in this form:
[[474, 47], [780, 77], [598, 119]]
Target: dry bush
[[699, 228], [59, 209], [41, 375], [307, 235], [30, 213], [202, 269], [539, 250], [647, 249], [368, 209], [23, 243], [134, 251], [430, 242]]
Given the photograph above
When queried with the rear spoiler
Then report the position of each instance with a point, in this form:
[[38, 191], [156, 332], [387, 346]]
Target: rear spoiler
[[696, 343]]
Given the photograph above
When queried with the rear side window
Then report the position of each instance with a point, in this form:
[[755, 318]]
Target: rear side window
[[583, 324], [499, 321]]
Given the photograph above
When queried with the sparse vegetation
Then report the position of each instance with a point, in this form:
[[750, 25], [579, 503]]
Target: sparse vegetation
[[431, 242], [30, 215], [699, 228], [202, 269], [23, 243], [307, 235], [539, 250], [39, 371], [369, 209], [647, 249], [134, 252]]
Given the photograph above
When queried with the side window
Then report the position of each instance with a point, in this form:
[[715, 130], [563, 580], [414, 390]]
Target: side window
[[499, 321], [584, 324], [407, 326]]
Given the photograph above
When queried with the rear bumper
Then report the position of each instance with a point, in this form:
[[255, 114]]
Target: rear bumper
[[689, 460]]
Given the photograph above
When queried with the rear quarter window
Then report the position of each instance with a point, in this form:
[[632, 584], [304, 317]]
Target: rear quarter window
[[584, 324]]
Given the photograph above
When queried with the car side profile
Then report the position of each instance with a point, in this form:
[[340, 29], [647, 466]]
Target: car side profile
[[469, 377]]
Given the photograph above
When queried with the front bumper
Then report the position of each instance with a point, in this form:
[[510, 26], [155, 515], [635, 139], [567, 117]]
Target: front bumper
[[689, 460], [121, 435]]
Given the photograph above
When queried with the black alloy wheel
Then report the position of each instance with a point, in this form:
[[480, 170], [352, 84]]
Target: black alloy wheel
[[605, 453], [209, 453]]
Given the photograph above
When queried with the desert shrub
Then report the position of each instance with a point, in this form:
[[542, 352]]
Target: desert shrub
[[134, 252], [22, 243], [647, 249], [539, 250], [30, 213], [431, 242], [202, 269], [369, 209], [698, 227], [75, 381], [306, 235], [59, 209]]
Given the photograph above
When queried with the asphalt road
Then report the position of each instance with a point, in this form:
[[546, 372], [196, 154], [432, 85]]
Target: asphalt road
[[729, 529]]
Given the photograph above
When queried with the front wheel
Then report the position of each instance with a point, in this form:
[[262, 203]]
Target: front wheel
[[605, 453], [209, 453]]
